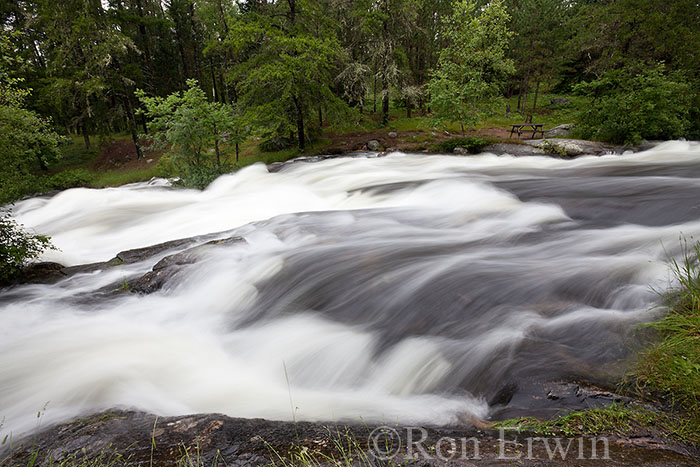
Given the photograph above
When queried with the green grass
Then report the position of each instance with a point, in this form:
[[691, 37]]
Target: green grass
[[122, 177], [549, 116], [617, 419], [670, 368]]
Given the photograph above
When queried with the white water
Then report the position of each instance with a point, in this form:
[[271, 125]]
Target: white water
[[406, 288]]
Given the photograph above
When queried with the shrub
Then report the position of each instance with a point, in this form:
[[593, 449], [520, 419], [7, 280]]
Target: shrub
[[472, 144], [277, 143], [70, 179], [17, 247], [630, 105]]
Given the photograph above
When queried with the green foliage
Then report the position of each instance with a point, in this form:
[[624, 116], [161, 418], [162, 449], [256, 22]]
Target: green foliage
[[629, 105], [290, 74], [671, 367], [616, 419], [472, 144], [466, 85], [276, 143], [70, 179], [552, 148], [17, 247], [188, 126]]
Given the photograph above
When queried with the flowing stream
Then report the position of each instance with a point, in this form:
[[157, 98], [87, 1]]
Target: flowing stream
[[406, 288]]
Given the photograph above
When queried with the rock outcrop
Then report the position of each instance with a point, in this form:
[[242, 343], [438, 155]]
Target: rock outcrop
[[215, 439]]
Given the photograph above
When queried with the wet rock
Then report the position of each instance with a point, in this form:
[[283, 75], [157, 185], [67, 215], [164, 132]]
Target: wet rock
[[504, 395], [41, 273], [373, 145], [460, 151], [511, 149], [559, 131], [169, 267], [140, 254], [393, 134]]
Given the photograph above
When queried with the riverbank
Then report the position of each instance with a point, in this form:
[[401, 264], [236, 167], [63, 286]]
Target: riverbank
[[120, 438]]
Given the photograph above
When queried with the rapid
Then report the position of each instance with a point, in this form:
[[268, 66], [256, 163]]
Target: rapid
[[405, 288]]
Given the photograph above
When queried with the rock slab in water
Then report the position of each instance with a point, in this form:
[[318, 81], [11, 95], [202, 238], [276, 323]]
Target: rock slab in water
[[170, 266], [373, 145], [572, 147]]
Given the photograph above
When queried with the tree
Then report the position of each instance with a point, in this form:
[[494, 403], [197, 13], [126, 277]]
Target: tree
[[290, 72], [27, 141], [188, 126], [538, 41], [632, 104], [471, 69]]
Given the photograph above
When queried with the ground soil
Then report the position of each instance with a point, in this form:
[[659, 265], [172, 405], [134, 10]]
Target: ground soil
[[121, 154]]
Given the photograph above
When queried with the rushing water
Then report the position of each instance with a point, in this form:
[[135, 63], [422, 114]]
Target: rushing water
[[406, 288]]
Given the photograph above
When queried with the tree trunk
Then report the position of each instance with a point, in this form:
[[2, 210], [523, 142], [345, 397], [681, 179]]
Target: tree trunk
[[408, 109], [320, 117], [145, 40], [132, 124], [385, 102], [214, 91], [525, 86], [237, 150], [537, 90], [374, 90], [462, 125], [86, 137], [218, 153], [300, 124]]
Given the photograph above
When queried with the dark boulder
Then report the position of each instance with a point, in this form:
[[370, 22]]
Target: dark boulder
[[169, 267]]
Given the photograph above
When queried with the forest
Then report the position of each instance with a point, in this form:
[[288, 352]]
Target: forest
[[198, 78]]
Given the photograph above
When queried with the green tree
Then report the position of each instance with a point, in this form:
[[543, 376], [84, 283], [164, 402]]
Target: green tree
[[189, 126], [467, 83], [632, 104], [290, 71], [27, 142]]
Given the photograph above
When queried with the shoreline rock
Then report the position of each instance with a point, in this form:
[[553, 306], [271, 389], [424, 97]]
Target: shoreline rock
[[216, 439]]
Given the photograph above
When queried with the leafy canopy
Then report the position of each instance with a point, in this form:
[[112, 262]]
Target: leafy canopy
[[630, 104], [187, 125], [466, 85]]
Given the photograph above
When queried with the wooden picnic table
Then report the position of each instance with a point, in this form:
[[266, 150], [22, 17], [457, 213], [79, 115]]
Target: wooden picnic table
[[522, 127]]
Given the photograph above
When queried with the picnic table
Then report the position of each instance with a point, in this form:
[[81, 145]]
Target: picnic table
[[522, 127]]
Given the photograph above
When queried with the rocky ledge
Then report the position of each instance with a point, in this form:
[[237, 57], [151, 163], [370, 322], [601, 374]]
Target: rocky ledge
[[562, 147], [137, 438], [184, 252]]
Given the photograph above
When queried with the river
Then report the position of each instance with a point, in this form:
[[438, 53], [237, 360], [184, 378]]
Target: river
[[404, 289]]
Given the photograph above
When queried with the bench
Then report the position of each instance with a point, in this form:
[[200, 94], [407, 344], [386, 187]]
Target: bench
[[523, 127]]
